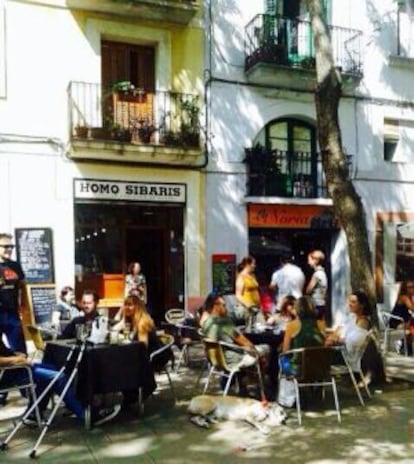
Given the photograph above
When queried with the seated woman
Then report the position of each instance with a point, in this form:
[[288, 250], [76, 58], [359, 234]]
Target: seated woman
[[301, 332], [139, 325], [404, 308], [286, 314], [66, 305], [352, 334]]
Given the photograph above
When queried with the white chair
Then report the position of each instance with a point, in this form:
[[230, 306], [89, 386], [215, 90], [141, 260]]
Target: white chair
[[390, 334], [313, 370], [353, 366]]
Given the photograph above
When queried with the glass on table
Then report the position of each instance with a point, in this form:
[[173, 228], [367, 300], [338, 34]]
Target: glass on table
[[81, 332]]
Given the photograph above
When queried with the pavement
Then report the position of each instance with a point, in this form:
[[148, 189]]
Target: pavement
[[381, 432]]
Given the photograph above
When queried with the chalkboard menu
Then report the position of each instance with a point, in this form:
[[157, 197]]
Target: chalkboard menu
[[42, 302], [34, 249]]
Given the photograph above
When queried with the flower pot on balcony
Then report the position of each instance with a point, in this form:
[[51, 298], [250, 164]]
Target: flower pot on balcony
[[100, 133], [81, 132]]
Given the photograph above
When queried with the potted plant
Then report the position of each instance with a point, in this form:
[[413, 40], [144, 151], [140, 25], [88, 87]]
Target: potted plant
[[81, 131], [128, 92], [144, 128], [190, 126]]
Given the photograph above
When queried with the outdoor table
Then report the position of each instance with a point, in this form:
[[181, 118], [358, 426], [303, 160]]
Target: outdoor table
[[274, 340], [106, 369]]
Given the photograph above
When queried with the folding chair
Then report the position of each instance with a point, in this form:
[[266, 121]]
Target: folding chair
[[313, 370], [23, 381], [352, 366], [393, 334], [159, 359], [218, 364], [185, 336]]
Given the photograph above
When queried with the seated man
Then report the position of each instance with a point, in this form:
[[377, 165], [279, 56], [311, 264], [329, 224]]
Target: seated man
[[42, 376], [89, 305], [217, 326]]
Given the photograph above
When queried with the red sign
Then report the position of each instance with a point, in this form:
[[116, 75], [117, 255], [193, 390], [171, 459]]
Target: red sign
[[291, 216]]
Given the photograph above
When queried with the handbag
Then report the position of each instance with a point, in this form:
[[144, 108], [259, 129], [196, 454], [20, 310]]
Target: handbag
[[286, 394]]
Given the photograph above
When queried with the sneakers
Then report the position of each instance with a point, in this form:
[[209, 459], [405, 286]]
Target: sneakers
[[31, 420], [105, 415]]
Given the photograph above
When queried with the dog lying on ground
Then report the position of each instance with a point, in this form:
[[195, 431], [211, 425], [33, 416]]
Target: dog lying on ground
[[206, 409]]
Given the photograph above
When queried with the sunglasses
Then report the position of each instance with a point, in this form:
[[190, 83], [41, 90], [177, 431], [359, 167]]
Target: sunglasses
[[7, 247]]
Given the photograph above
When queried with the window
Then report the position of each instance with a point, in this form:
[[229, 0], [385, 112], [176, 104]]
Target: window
[[128, 62], [398, 140]]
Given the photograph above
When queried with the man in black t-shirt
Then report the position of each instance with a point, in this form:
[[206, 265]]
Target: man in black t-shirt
[[11, 285]]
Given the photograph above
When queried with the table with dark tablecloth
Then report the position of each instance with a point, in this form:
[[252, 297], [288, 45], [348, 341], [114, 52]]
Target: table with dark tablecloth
[[106, 368]]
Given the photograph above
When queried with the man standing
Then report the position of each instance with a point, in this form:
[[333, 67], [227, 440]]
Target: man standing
[[289, 279], [89, 305], [12, 285]]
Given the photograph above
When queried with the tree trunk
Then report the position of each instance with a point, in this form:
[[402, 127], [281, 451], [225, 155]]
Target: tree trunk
[[347, 203]]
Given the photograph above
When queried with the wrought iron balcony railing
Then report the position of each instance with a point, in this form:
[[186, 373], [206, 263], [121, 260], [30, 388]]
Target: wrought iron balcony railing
[[289, 42], [130, 115], [285, 174]]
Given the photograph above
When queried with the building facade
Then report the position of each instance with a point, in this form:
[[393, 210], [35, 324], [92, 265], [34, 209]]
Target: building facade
[[265, 182], [182, 134], [102, 142]]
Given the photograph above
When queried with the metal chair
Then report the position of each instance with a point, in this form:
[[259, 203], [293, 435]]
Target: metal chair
[[393, 334], [313, 370], [352, 366], [219, 366], [19, 377], [185, 335], [159, 358]]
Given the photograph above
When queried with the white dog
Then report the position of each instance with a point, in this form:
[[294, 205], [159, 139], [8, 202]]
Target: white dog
[[206, 409]]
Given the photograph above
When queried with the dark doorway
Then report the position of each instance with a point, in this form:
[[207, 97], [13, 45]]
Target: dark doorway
[[147, 246]]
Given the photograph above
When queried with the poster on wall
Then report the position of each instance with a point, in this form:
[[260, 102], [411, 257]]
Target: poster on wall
[[224, 273], [34, 251]]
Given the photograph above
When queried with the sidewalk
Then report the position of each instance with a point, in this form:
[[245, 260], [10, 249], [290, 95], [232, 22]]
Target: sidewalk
[[382, 432]]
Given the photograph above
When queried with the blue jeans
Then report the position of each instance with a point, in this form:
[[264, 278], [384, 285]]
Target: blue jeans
[[43, 375], [11, 326]]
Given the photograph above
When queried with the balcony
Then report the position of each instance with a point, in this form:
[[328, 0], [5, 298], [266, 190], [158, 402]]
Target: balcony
[[280, 51], [277, 173], [171, 11], [143, 127]]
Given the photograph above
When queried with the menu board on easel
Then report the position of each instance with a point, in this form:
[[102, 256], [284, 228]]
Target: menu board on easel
[[34, 250], [41, 302]]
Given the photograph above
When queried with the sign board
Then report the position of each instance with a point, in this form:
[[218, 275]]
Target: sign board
[[34, 250], [224, 273], [96, 189], [292, 216], [41, 300]]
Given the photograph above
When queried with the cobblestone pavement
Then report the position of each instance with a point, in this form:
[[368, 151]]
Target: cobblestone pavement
[[382, 432]]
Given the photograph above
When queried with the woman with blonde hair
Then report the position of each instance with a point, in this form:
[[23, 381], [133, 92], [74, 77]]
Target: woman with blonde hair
[[134, 318]]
